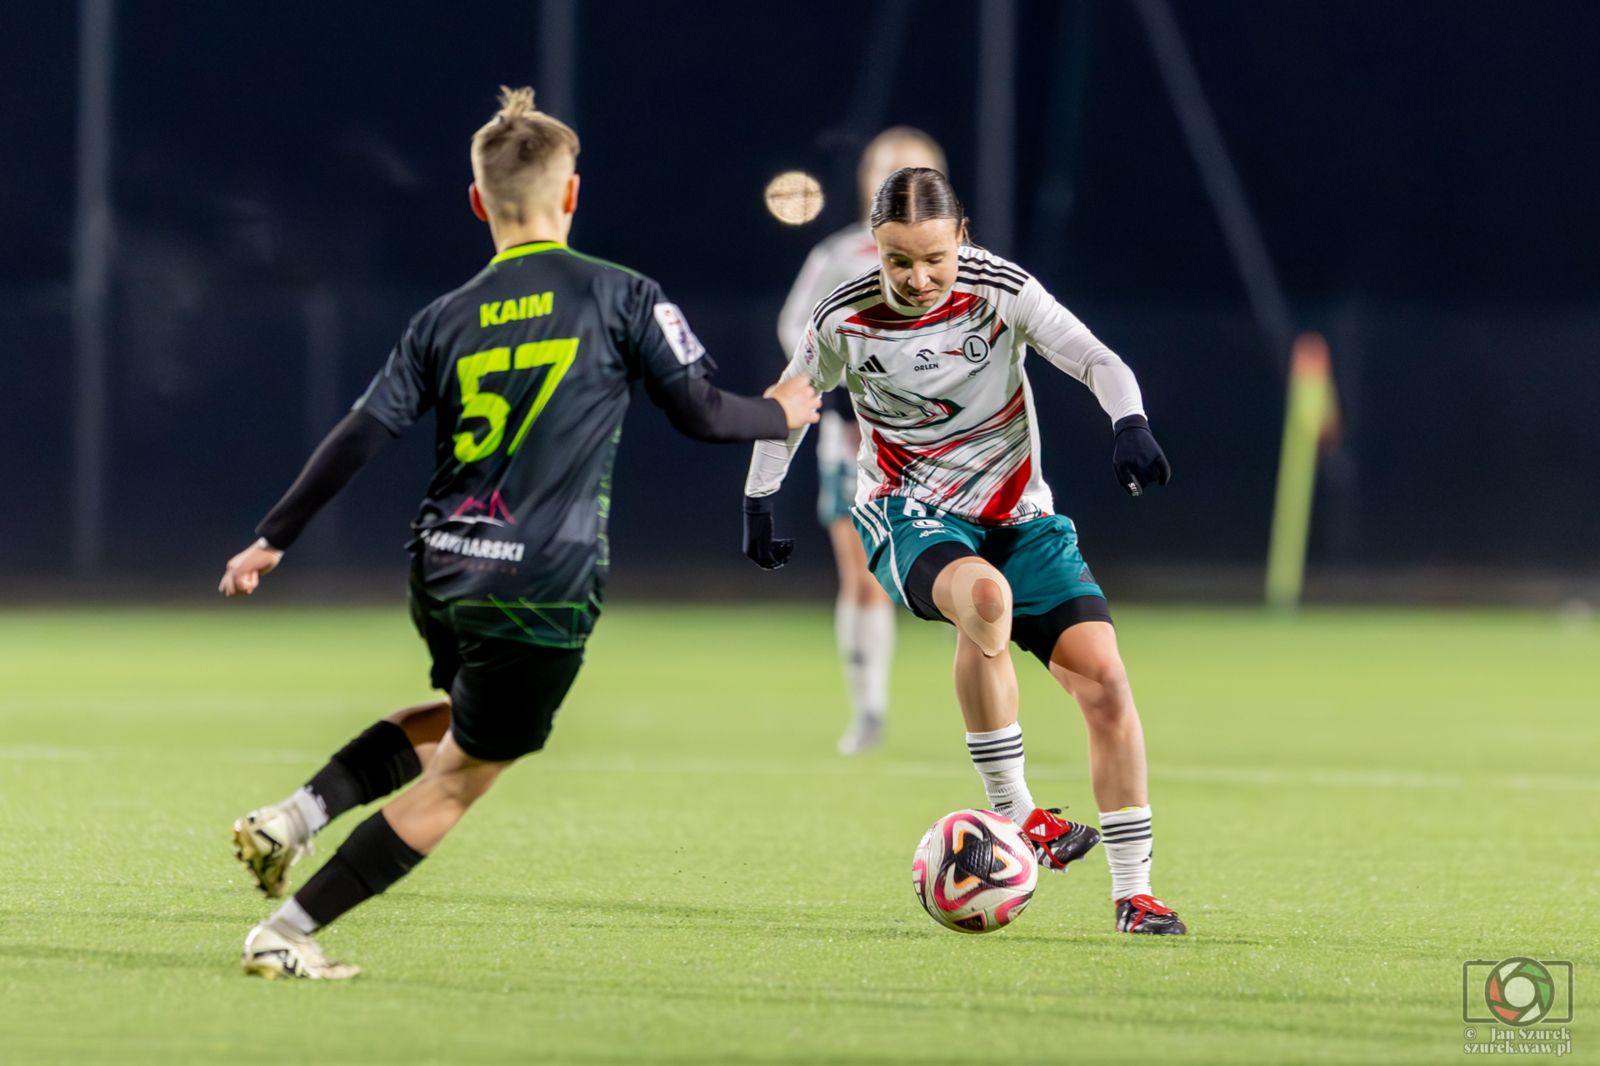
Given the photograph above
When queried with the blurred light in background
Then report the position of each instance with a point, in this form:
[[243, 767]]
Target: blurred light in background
[[794, 197]]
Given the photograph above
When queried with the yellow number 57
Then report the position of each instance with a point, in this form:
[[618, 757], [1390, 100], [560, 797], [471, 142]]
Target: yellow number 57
[[479, 403]]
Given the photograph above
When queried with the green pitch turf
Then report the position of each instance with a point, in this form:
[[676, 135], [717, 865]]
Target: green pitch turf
[[1348, 806]]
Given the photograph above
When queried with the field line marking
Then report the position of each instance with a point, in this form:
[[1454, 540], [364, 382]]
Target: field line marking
[[1220, 775], [44, 753], [1199, 775]]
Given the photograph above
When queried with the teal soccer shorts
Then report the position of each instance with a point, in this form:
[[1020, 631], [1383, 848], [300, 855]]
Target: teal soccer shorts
[[1051, 586], [836, 490]]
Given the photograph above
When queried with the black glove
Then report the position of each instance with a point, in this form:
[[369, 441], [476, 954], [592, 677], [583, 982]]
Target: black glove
[[759, 545], [1136, 458]]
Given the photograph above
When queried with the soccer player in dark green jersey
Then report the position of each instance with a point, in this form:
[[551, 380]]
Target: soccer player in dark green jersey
[[527, 369]]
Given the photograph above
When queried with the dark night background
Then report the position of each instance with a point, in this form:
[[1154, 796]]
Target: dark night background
[[1427, 177]]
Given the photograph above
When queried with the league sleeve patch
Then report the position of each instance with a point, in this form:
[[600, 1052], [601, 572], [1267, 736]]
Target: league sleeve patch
[[680, 338]]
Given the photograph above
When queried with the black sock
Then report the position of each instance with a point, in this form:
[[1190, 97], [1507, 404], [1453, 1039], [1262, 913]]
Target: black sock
[[372, 858], [370, 767]]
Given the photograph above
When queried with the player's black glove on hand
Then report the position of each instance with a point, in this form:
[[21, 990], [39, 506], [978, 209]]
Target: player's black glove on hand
[[759, 544], [1136, 458]]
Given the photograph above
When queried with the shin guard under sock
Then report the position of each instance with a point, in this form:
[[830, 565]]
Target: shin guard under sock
[[997, 755], [1127, 840], [372, 858], [370, 767]]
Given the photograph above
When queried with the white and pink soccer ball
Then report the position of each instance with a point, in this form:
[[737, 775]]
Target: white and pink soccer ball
[[974, 871]]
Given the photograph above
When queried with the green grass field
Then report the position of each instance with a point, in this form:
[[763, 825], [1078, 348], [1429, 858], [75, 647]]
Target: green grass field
[[1348, 805]]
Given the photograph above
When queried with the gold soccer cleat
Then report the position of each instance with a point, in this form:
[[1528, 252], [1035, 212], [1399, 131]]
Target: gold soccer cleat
[[274, 949], [269, 841]]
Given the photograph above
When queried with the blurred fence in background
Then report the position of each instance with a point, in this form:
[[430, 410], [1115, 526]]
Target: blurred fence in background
[[285, 190], [1465, 472]]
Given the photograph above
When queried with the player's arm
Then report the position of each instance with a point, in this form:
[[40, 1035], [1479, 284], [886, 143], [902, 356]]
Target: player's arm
[[701, 411], [345, 450], [821, 367], [397, 396], [660, 347], [1055, 333]]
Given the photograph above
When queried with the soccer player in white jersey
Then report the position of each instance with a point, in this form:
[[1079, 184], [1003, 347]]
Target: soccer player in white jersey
[[954, 513], [863, 617]]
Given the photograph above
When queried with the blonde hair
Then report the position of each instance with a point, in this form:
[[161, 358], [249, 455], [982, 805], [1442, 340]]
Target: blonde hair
[[514, 150], [895, 135]]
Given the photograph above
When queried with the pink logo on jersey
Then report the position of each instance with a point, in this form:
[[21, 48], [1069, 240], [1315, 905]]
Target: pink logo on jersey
[[494, 513]]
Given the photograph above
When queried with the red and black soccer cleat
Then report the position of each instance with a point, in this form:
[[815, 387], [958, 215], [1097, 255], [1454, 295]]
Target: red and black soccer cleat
[[1057, 841], [1146, 914]]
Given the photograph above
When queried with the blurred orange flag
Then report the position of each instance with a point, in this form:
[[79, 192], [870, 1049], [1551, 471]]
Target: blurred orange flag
[[1311, 424]]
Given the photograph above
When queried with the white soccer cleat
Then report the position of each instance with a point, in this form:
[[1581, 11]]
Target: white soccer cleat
[[275, 949], [864, 734], [269, 841]]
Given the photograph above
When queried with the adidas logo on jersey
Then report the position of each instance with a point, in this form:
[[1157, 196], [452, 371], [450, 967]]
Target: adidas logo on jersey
[[872, 366]]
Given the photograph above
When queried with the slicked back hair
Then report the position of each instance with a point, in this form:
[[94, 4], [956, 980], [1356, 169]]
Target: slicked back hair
[[515, 149], [916, 194]]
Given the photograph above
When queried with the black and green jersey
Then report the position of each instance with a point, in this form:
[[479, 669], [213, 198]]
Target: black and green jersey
[[527, 368]]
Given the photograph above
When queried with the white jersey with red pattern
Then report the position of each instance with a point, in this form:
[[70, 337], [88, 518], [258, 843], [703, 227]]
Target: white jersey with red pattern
[[942, 397], [838, 258]]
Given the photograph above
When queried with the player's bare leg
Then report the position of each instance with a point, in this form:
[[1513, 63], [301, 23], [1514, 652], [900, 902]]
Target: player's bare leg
[[425, 724], [977, 598], [1086, 663], [452, 782], [985, 679], [387, 755], [864, 627]]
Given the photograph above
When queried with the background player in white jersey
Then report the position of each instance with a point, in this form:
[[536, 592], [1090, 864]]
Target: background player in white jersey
[[954, 513], [863, 618]]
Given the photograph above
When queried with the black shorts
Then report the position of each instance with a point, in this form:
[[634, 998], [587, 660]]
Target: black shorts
[[504, 693], [1035, 633]]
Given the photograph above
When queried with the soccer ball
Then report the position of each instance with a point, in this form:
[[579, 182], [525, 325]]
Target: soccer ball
[[974, 871]]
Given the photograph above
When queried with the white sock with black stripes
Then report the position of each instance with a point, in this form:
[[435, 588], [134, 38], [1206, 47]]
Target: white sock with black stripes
[[1126, 838], [997, 754]]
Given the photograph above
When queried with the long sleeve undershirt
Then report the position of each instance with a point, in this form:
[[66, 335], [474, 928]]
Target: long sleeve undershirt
[[346, 449], [701, 411], [695, 407]]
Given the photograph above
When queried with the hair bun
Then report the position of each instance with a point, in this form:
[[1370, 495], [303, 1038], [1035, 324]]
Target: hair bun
[[516, 103]]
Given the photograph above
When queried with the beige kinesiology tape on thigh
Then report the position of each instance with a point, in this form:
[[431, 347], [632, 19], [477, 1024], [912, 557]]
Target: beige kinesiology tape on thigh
[[990, 637]]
